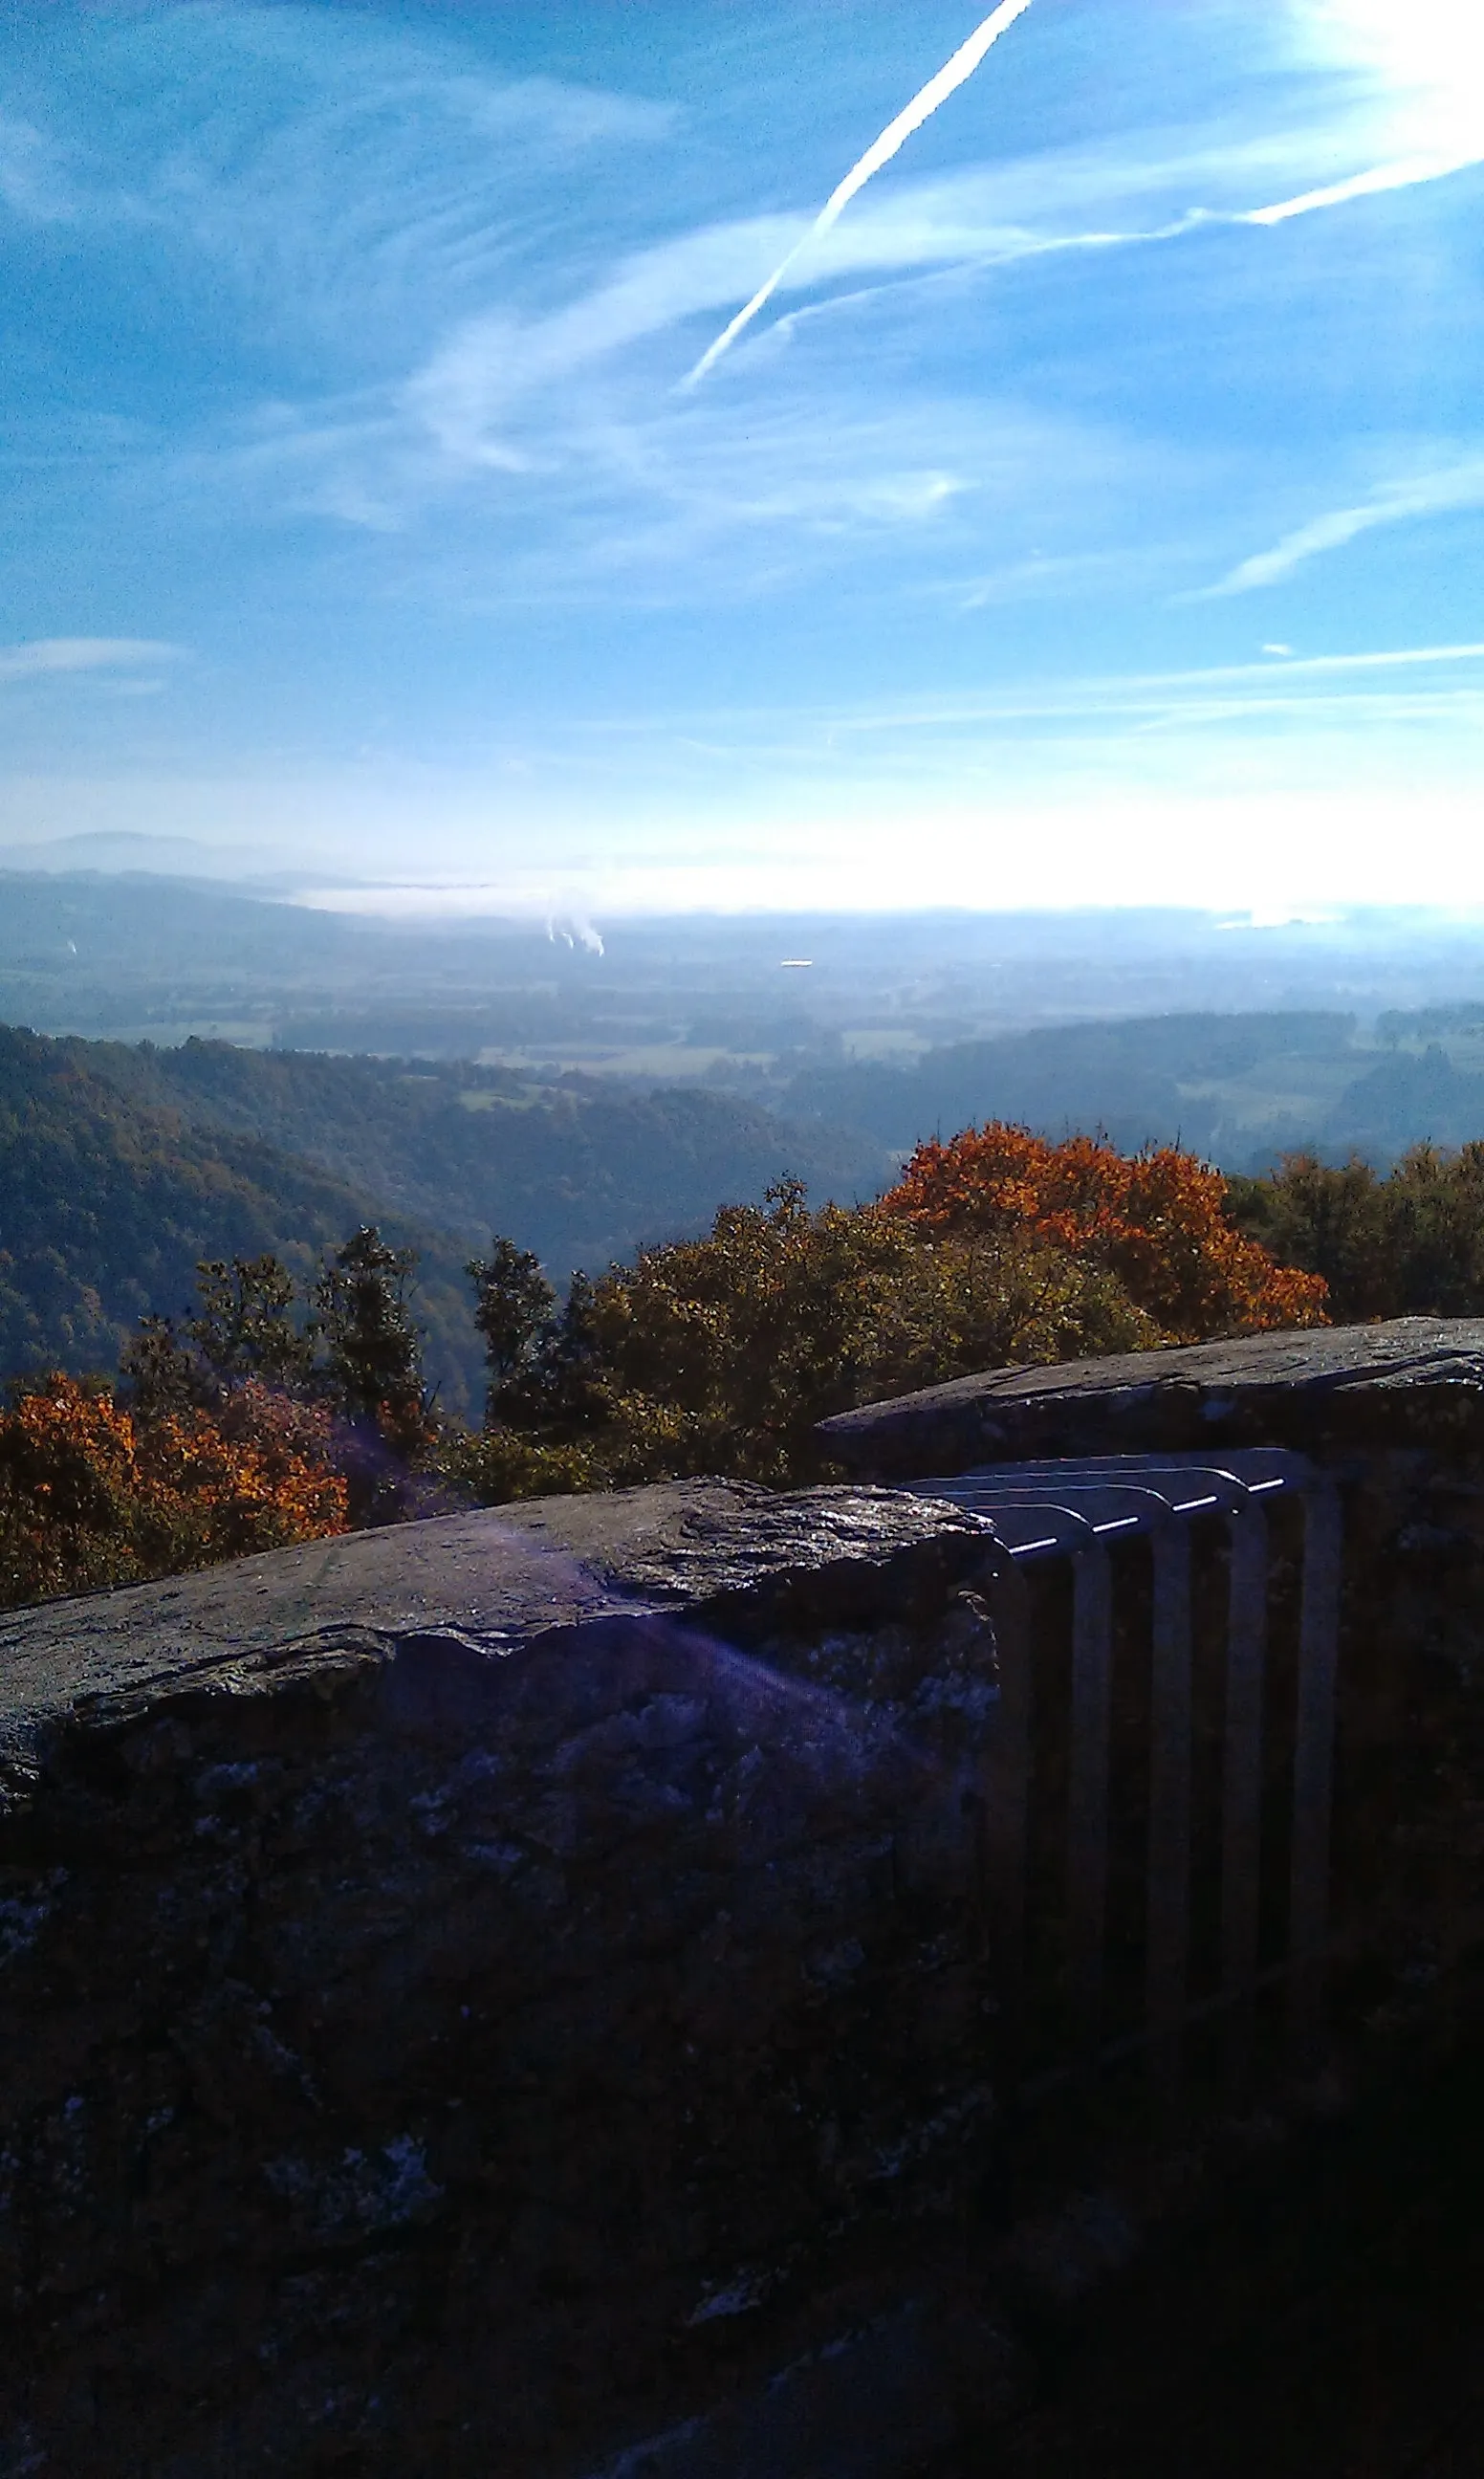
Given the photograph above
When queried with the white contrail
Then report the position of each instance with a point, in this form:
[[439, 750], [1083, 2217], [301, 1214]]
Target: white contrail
[[966, 61]]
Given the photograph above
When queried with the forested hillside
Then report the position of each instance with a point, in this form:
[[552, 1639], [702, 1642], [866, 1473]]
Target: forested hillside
[[1403, 1101], [107, 1203], [579, 1172], [1240, 1090], [123, 1164], [1230, 1087], [120, 1166]]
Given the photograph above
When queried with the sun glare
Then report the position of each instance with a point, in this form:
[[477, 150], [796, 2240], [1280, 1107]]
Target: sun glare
[[1435, 46]]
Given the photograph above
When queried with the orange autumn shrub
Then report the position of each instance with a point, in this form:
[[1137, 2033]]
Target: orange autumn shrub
[[1156, 1219], [89, 1497]]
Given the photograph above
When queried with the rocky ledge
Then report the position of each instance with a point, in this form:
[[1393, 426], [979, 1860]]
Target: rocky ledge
[[1412, 1379]]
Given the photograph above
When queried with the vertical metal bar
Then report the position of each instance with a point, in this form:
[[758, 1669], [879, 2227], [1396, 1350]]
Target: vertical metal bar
[[1241, 1780], [1313, 1763], [1087, 1788], [1007, 1812], [1168, 1896]]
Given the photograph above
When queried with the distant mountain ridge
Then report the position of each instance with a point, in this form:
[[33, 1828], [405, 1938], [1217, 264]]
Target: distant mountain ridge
[[1163, 1080], [180, 856], [1404, 1100]]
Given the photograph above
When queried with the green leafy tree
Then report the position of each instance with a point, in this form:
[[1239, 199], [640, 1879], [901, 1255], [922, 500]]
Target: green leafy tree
[[245, 1326], [514, 1306], [719, 1355], [373, 1348], [1435, 1199], [1411, 1243], [162, 1377]]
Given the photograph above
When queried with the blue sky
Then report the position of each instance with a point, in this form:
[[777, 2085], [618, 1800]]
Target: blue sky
[[1096, 513]]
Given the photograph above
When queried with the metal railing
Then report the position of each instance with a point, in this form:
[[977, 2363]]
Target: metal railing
[[1081, 1513]]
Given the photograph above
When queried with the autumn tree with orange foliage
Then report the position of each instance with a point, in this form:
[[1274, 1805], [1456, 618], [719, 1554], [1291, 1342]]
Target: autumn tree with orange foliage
[[1157, 1220], [91, 1498]]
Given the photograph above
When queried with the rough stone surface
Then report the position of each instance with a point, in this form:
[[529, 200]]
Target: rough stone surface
[[514, 1995], [480, 1994], [1409, 1378], [505, 1577]]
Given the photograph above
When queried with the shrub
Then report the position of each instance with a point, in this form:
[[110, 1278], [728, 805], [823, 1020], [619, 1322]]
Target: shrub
[[89, 1497], [494, 1465], [1412, 1243]]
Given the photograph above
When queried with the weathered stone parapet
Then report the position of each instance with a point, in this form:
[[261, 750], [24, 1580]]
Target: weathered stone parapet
[[476, 1993], [1390, 1415], [1419, 1379], [526, 1993]]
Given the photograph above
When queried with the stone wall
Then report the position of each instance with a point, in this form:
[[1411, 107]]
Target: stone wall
[[1395, 1412], [479, 1994], [1410, 1379], [515, 1994]]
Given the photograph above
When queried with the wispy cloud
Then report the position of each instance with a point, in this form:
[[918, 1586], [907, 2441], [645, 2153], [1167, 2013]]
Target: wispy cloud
[[475, 395], [45, 657], [505, 345], [345, 182], [660, 510], [32, 183], [1344, 682], [1423, 494]]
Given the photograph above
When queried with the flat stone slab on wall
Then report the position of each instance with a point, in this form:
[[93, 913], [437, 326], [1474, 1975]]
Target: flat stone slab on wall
[[1418, 1378], [507, 1576], [479, 1994]]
